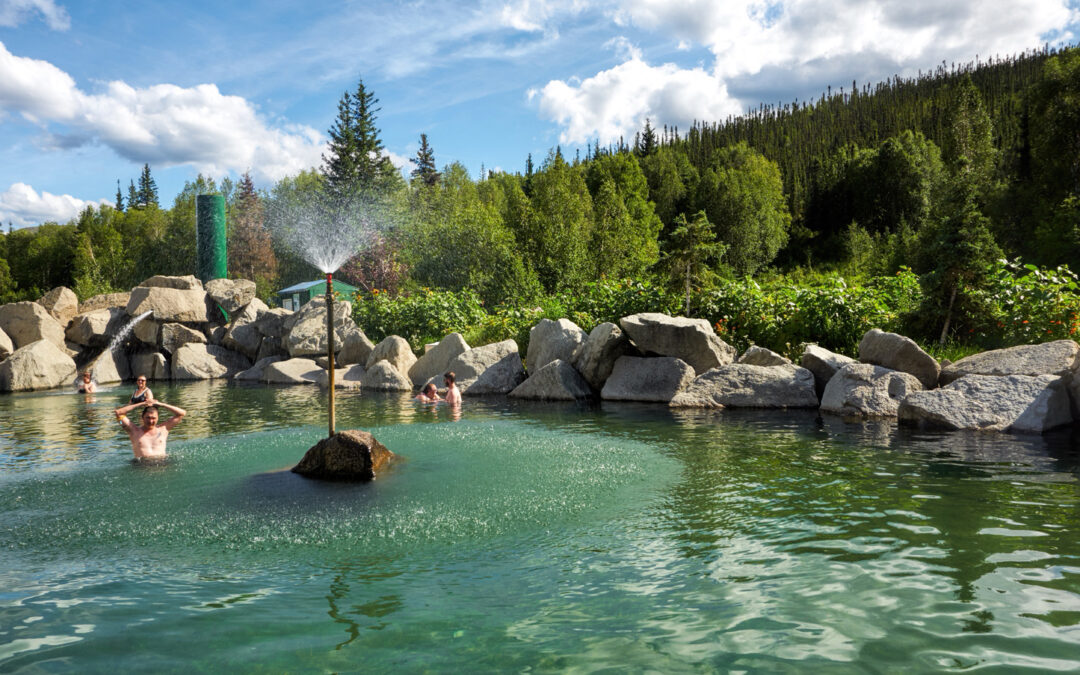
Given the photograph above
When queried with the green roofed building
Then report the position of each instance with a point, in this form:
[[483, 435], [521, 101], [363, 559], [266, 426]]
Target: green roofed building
[[296, 296]]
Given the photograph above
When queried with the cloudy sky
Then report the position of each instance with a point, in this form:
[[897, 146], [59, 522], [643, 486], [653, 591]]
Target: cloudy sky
[[89, 91]]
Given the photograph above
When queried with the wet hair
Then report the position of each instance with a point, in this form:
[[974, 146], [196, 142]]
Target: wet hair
[[85, 373], [140, 377], [430, 386], [148, 409], [450, 375]]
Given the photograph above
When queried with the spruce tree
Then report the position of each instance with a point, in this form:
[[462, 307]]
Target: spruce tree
[[119, 197], [356, 160], [425, 164], [251, 253], [148, 193], [133, 196]]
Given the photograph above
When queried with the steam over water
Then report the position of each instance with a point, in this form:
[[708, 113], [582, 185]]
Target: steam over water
[[530, 537]]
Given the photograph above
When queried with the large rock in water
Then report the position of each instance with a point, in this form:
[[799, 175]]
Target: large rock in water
[[170, 304], [396, 351], [437, 359], [96, 327], [355, 347], [491, 369], [153, 365], [232, 294], [38, 365], [823, 364], [61, 303], [741, 385], [692, 340], [197, 361], [292, 371], [255, 372], [346, 378], [999, 403], [111, 366], [28, 322], [897, 352], [550, 340], [306, 329], [867, 390], [556, 381], [647, 379], [383, 376], [350, 455], [6, 345], [596, 357], [188, 282], [1059, 358]]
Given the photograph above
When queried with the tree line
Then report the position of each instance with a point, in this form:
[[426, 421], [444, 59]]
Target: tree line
[[943, 173]]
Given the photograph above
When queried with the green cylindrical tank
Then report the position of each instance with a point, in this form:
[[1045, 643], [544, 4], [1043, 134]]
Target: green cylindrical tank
[[210, 261]]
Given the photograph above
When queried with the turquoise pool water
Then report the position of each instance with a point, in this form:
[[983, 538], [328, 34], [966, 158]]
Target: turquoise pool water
[[530, 537]]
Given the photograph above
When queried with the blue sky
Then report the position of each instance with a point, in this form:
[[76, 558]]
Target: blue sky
[[89, 91]]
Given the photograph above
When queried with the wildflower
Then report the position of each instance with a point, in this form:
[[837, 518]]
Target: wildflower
[[1024, 321]]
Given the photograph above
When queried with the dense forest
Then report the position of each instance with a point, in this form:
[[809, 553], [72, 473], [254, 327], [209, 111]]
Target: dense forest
[[941, 177]]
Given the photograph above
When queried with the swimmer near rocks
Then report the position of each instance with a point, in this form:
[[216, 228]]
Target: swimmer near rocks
[[348, 456]]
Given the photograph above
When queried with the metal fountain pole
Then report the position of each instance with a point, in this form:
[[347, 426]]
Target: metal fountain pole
[[330, 341]]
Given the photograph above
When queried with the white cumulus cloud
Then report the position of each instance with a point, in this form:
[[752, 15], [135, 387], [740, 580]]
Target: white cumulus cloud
[[22, 205], [770, 50], [615, 102], [163, 125], [15, 12]]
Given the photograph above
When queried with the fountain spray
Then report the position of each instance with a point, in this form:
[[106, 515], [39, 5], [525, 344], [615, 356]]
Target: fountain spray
[[330, 344]]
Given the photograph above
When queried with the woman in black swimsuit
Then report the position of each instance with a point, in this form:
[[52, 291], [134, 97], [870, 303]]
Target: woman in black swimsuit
[[142, 392]]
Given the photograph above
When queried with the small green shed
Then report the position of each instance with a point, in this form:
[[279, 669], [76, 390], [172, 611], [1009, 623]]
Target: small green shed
[[296, 296]]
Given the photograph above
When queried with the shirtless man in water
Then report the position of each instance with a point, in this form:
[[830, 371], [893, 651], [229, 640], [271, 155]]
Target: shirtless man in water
[[148, 440]]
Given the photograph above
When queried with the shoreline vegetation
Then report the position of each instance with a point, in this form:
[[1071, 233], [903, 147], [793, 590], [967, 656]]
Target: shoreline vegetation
[[945, 207]]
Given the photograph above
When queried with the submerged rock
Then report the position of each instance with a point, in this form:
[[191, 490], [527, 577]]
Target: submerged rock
[[350, 455]]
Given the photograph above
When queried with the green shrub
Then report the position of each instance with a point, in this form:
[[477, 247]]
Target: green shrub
[[1027, 304], [420, 317]]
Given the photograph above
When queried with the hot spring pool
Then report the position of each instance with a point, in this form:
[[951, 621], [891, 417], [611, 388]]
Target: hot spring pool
[[539, 537]]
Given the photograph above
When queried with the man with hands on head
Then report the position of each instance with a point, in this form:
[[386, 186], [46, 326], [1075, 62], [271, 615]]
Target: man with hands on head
[[148, 439]]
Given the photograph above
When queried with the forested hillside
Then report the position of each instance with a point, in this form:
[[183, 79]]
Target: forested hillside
[[945, 174]]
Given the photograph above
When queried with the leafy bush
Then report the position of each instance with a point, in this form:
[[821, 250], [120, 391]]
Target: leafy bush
[[421, 317], [1028, 304], [830, 312]]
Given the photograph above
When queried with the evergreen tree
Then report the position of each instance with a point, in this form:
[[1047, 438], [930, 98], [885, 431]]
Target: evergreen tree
[[555, 237], [119, 206], [646, 142], [425, 164], [356, 160], [133, 196], [689, 254], [969, 140], [147, 194]]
